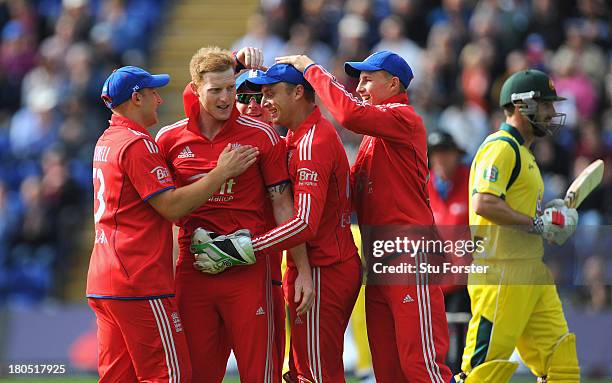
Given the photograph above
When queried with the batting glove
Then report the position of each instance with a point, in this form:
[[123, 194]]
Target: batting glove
[[214, 253], [557, 223]]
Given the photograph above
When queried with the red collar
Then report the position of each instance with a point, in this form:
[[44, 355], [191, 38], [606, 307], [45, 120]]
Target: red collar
[[125, 122], [294, 137], [401, 98]]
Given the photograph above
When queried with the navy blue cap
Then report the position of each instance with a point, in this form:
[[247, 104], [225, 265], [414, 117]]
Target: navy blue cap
[[120, 85], [240, 80], [280, 73], [383, 60]]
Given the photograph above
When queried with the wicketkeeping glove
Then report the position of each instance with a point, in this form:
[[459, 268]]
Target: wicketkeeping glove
[[557, 223], [214, 253]]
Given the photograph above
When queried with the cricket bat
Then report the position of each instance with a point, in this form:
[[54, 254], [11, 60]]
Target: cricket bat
[[584, 184]]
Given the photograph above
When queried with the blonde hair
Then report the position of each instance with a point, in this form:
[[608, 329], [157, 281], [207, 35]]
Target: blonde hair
[[209, 59]]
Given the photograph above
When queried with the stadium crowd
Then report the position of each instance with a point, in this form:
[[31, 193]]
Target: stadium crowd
[[55, 57], [461, 52], [56, 54]]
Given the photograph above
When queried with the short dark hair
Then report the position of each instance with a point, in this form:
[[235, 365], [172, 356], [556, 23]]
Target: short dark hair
[[309, 93], [390, 75], [508, 110]]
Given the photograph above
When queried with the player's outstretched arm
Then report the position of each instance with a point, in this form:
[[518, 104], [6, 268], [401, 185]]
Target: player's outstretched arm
[[176, 203], [351, 113]]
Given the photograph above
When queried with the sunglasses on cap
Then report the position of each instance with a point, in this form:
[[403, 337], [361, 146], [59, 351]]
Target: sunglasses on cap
[[245, 98]]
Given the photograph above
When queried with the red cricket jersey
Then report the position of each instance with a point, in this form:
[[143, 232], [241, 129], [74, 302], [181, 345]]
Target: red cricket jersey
[[240, 201], [132, 254], [453, 210], [319, 173], [389, 177]]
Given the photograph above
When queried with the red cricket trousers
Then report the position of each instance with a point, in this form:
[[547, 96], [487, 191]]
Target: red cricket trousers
[[407, 333], [141, 341], [231, 310], [317, 338]]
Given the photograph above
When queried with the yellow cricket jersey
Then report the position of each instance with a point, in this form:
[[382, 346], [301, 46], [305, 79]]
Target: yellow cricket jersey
[[505, 168]]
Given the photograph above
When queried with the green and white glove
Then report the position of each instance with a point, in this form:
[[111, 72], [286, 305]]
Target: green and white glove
[[214, 253]]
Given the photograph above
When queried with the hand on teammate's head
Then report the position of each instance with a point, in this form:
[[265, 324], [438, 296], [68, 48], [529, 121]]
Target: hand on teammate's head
[[251, 58]]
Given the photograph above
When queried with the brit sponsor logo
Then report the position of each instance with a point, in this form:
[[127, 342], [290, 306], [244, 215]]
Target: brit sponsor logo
[[307, 177], [186, 153], [162, 173]]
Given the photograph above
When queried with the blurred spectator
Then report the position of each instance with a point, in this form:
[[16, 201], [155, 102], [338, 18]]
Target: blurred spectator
[[352, 38], [301, 41], [595, 21], [572, 83], [515, 61], [443, 48], [17, 57], [590, 58], [323, 17], [49, 76], [258, 36], [34, 127], [448, 182], [394, 40], [78, 12], [536, 51], [363, 9], [595, 294], [412, 14], [123, 28], [454, 14], [476, 61], [547, 21], [467, 123]]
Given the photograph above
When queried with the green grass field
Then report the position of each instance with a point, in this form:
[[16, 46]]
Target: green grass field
[[522, 379]]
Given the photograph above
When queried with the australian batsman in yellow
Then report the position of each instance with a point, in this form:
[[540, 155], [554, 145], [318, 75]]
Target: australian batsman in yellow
[[515, 305]]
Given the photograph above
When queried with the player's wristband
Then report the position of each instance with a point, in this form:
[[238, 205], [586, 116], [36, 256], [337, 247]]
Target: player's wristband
[[537, 225]]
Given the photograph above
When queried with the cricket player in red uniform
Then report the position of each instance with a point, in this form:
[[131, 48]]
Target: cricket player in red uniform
[[248, 103], [234, 308], [130, 284], [407, 327], [319, 172]]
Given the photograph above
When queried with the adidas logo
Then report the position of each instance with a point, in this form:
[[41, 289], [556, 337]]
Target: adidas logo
[[407, 299], [235, 146], [298, 320], [260, 311], [186, 153]]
